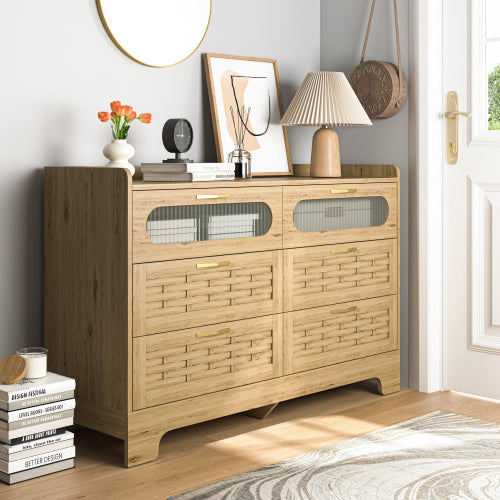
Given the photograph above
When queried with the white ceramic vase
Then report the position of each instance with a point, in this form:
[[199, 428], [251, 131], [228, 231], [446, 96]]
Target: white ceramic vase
[[118, 152]]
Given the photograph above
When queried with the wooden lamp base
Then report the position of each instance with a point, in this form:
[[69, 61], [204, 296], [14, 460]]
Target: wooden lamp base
[[325, 153]]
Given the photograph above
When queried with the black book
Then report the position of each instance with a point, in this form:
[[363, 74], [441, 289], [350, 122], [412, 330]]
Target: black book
[[37, 435]]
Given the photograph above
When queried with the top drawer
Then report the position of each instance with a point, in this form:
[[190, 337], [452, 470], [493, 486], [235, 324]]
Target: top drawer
[[180, 224], [315, 215]]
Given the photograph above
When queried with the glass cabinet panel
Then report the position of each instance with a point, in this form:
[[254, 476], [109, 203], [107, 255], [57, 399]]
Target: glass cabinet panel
[[340, 213], [189, 223]]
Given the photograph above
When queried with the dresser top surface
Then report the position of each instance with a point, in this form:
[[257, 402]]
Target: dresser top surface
[[350, 174]]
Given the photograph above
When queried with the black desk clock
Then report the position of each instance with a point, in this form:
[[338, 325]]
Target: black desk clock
[[177, 138]]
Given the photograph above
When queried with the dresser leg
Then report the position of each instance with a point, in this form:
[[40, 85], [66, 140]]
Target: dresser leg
[[142, 447], [261, 412], [388, 385]]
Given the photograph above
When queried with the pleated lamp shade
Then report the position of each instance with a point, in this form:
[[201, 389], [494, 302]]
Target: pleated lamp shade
[[325, 98]]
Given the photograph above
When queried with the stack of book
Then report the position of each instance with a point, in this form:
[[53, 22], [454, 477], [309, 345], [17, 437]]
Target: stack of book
[[33, 418], [221, 227], [187, 172], [172, 230]]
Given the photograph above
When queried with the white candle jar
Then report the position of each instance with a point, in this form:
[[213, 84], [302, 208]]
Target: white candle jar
[[36, 361]]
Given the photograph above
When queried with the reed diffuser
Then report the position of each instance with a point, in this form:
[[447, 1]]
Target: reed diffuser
[[241, 158]]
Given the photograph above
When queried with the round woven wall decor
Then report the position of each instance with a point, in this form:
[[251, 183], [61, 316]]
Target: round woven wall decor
[[380, 86], [376, 83]]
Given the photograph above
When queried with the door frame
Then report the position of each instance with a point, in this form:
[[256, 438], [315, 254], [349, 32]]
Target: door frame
[[426, 160]]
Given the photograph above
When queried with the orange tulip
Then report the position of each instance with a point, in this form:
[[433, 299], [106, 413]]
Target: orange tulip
[[124, 110], [145, 117], [103, 116], [131, 116], [113, 115], [115, 106]]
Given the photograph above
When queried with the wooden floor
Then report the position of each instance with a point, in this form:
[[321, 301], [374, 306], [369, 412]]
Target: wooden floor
[[222, 448]]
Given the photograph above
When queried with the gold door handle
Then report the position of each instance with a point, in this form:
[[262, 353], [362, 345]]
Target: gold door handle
[[452, 136], [212, 196], [213, 264], [342, 191], [212, 334], [344, 250], [341, 311], [453, 114]]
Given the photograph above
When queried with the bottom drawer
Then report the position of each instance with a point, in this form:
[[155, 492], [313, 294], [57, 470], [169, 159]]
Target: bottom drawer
[[328, 335], [182, 364]]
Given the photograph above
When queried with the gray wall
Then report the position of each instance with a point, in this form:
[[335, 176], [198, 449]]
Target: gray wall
[[59, 68], [343, 27]]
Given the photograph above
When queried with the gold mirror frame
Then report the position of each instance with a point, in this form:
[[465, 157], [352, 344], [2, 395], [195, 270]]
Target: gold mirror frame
[[115, 41]]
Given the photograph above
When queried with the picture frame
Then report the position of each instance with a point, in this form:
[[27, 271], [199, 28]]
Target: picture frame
[[235, 83]]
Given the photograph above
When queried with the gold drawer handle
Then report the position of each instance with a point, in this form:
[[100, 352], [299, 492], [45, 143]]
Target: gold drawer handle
[[341, 311], [344, 250], [212, 334], [211, 196], [342, 191], [213, 264]]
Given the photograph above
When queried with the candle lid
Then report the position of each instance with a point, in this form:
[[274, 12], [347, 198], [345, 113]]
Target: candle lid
[[12, 369]]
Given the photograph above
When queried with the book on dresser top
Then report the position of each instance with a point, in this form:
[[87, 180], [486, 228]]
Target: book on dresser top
[[187, 172], [187, 167]]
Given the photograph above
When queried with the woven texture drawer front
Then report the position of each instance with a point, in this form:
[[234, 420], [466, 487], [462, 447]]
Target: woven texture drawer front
[[178, 365], [193, 292], [328, 335], [324, 275]]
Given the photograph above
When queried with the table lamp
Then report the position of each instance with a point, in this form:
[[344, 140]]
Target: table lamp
[[325, 98]]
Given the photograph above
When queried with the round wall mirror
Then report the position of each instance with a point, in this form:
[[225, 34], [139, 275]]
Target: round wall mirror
[[156, 33]]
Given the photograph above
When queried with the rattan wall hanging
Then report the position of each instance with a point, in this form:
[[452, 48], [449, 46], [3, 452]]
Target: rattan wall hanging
[[379, 85]]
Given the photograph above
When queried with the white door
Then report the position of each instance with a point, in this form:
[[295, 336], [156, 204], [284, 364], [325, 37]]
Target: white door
[[471, 209]]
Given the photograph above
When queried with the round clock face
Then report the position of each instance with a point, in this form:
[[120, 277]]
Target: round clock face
[[177, 135]]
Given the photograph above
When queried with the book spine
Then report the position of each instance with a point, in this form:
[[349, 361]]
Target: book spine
[[38, 420], [37, 460], [7, 435], [40, 390], [38, 411], [32, 445], [37, 435], [211, 177], [28, 403]]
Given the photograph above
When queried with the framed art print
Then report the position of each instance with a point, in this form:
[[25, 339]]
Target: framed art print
[[245, 96]]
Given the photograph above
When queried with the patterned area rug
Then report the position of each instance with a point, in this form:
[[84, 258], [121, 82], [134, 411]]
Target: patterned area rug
[[437, 456]]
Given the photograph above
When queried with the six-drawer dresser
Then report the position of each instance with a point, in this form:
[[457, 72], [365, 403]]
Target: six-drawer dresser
[[175, 303]]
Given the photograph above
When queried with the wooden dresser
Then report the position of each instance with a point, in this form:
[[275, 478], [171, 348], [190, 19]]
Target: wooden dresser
[[175, 303]]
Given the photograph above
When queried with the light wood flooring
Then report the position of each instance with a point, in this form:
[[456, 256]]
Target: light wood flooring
[[222, 448]]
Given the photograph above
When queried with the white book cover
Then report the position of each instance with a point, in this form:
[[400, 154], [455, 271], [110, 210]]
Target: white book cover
[[29, 453], [172, 223], [186, 167], [6, 436], [24, 389], [37, 471], [226, 236], [37, 411], [37, 460], [171, 238], [232, 218], [31, 445]]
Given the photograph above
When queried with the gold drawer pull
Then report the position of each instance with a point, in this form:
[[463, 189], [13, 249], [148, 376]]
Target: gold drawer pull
[[211, 196], [213, 264], [342, 191], [212, 334], [344, 250], [341, 311]]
